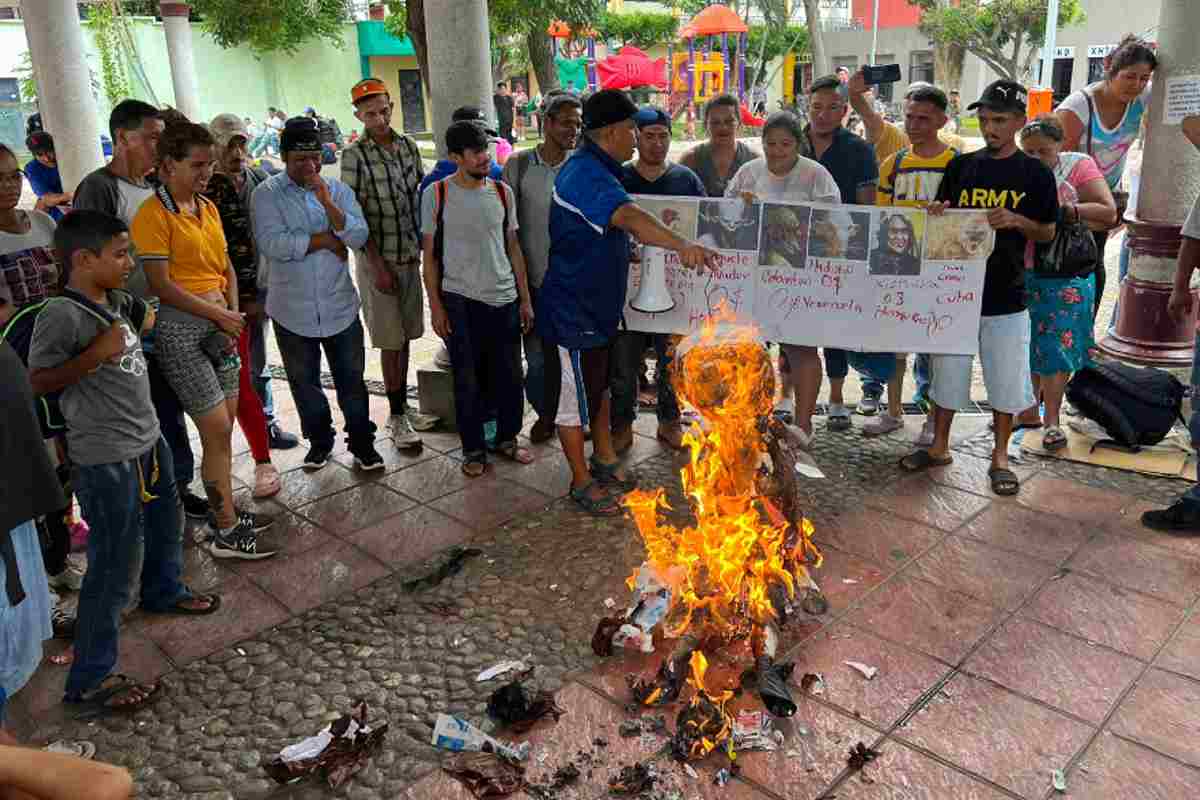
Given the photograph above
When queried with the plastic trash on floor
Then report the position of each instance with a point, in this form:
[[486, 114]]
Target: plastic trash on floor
[[333, 754]]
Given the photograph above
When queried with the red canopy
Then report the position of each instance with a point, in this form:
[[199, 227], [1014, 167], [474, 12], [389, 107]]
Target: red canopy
[[631, 67], [714, 20], [561, 30]]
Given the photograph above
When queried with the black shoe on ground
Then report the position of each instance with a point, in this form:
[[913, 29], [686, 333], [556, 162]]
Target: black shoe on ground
[[317, 457], [255, 522], [240, 543], [368, 459], [1182, 518], [194, 506], [281, 439]]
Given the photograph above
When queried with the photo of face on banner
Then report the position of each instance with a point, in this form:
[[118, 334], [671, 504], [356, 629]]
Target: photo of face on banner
[[730, 224], [678, 215], [958, 236], [896, 249], [836, 233], [784, 241]]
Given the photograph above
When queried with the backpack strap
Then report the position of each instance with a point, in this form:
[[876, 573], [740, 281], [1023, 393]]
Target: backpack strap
[[523, 160], [900, 154], [439, 209], [500, 190], [1091, 114]]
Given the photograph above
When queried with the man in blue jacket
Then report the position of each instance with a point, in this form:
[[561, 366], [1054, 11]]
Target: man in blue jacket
[[580, 305]]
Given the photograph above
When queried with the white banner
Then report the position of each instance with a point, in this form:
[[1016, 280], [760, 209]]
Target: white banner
[[871, 278]]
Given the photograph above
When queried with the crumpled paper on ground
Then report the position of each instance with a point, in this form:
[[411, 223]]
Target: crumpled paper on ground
[[484, 774], [452, 733], [333, 754]]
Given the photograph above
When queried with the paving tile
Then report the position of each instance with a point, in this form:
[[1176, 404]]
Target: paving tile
[[844, 578], [202, 572], [245, 610], [1060, 670], [431, 479], [1114, 769], [1033, 533], [442, 786], [550, 474], [904, 675], [410, 536], [877, 535], [971, 474], [994, 733], [994, 576], [902, 773], [1129, 524], [488, 503], [1139, 565], [928, 617], [352, 509], [1161, 712], [441, 441], [926, 502], [1074, 500], [393, 457], [291, 534], [303, 580], [1183, 653], [1123, 620], [301, 486]]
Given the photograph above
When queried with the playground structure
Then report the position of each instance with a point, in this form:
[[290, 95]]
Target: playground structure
[[573, 53]]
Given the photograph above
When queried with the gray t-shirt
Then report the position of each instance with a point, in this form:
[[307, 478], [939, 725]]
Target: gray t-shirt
[[103, 190], [1191, 228], [474, 262], [109, 414], [534, 197]]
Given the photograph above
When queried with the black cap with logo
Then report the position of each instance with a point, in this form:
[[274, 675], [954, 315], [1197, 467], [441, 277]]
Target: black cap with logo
[[1002, 95]]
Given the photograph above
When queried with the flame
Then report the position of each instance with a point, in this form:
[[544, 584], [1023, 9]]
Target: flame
[[705, 724], [721, 569]]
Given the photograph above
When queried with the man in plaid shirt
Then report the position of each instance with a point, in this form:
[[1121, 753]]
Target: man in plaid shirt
[[384, 170]]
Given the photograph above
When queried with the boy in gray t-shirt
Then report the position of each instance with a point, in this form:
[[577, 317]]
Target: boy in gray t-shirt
[[478, 294], [86, 344]]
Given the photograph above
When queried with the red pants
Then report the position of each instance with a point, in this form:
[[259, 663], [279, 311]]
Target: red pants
[[250, 414]]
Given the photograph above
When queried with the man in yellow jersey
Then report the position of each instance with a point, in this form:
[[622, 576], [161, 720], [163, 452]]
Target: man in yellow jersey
[[886, 137], [910, 177]]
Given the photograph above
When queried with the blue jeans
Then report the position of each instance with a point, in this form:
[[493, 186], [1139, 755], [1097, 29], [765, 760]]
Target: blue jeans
[[923, 374], [1122, 270], [543, 377], [171, 422], [485, 351], [260, 377], [624, 369], [878, 368], [837, 367], [122, 526], [347, 357]]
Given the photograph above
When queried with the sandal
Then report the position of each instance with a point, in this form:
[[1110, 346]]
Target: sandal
[[1055, 438], [62, 622], [266, 481], [514, 452], [606, 474], [475, 465], [80, 748], [923, 460], [838, 417], [604, 506], [1004, 481], [117, 693], [214, 603]]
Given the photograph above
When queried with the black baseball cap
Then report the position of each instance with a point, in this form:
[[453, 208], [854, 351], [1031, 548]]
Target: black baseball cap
[[300, 136], [607, 107], [40, 142], [1002, 95], [476, 115]]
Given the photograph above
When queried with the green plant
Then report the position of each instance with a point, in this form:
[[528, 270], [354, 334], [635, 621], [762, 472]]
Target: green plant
[[267, 26], [27, 83], [642, 29], [104, 20]]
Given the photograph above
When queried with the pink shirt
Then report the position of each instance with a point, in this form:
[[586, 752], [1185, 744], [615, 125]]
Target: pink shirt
[[503, 151], [1072, 171]]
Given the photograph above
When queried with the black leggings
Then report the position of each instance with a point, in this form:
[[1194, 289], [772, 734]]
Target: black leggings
[[55, 535], [1101, 273]]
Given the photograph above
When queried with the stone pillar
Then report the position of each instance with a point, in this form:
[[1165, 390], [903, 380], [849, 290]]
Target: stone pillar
[[183, 62], [460, 65], [1170, 182], [64, 86]]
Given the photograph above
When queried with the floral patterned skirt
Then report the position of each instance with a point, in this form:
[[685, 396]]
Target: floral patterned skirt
[[1060, 313]]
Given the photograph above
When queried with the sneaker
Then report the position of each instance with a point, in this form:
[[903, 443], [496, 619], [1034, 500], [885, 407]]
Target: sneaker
[[868, 406], [281, 439], [927, 434], [69, 580], [255, 522], [883, 423], [839, 417], [423, 422], [403, 435], [1182, 518], [239, 542], [368, 459], [194, 506], [317, 457]]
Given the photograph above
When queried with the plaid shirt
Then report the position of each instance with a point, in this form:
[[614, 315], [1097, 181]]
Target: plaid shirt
[[386, 185]]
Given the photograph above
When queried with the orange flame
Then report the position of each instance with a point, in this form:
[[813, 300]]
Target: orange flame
[[722, 568]]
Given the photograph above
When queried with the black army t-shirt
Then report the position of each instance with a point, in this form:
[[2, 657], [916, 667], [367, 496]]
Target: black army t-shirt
[[1019, 183]]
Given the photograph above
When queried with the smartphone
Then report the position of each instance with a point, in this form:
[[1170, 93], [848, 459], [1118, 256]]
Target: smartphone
[[881, 73]]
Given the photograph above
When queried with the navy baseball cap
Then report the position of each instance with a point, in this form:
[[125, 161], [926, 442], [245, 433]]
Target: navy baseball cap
[[651, 115]]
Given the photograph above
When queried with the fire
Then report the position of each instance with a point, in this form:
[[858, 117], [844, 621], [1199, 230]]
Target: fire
[[722, 570], [705, 724]]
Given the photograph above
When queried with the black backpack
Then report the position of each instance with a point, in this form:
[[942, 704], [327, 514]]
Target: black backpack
[[1136, 406]]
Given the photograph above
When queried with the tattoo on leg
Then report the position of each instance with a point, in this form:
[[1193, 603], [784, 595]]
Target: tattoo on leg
[[215, 498]]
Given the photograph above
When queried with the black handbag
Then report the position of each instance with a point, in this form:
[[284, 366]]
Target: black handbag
[[1072, 253]]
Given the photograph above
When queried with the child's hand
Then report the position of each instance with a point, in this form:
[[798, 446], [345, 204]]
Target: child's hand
[[110, 345], [149, 319]]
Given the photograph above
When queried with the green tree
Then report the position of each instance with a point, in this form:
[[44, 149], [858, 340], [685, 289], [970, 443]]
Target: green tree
[[642, 29], [1007, 35], [105, 21], [267, 26]]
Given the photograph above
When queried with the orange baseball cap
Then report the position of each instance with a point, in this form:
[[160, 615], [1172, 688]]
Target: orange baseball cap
[[368, 87]]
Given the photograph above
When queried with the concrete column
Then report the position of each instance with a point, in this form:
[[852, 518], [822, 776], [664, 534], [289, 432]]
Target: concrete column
[[460, 66], [64, 86], [183, 62], [1170, 182]]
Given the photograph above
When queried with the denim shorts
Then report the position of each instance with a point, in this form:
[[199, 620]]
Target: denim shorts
[[1004, 354]]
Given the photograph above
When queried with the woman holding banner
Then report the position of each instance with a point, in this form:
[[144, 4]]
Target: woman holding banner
[[784, 174]]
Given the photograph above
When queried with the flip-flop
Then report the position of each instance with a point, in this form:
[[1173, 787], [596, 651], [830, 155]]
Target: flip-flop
[[923, 460], [606, 474], [1020, 426], [214, 603], [1004, 481], [604, 506], [98, 700], [474, 467], [514, 452], [1054, 438]]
